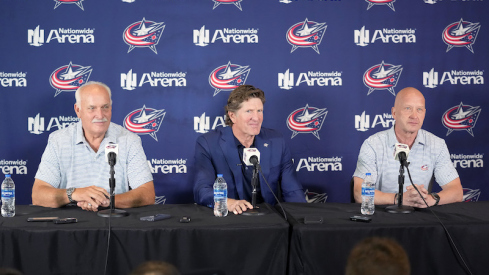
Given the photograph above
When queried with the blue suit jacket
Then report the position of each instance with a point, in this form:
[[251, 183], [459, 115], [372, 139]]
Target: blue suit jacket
[[216, 153]]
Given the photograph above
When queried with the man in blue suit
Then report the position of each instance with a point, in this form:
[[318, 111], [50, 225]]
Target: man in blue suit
[[220, 152]]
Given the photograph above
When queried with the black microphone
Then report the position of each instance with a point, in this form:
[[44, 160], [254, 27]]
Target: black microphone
[[111, 151], [401, 153], [254, 160], [112, 158]]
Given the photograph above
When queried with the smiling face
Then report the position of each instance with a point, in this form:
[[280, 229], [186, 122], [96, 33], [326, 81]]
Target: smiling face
[[94, 110], [247, 119], [409, 111]]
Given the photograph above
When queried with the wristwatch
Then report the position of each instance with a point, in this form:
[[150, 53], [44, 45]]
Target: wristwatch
[[436, 198], [69, 192]]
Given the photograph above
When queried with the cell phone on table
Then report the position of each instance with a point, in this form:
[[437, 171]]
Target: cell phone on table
[[42, 219], [156, 217], [65, 220], [360, 218]]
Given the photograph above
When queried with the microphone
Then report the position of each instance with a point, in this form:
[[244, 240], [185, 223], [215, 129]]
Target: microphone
[[111, 152], [251, 156], [401, 153]]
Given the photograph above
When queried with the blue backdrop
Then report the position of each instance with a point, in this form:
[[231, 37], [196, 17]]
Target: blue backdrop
[[329, 69]]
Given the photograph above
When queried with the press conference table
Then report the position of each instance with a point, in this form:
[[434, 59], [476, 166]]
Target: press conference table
[[234, 244], [324, 248]]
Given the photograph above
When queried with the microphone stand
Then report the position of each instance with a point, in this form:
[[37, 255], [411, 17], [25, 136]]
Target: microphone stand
[[112, 212], [399, 208], [254, 182]]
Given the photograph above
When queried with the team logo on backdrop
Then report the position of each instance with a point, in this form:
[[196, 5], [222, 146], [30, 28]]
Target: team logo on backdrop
[[287, 81], [128, 1], [382, 77], [144, 121], [237, 3], [312, 164], [35, 125], [228, 77], [362, 36], [35, 37], [307, 34], [461, 34], [306, 120], [202, 124], [226, 35], [17, 79], [69, 77], [168, 166], [143, 34], [471, 195], [461, 118], [313, 197], [13, 167], [389, 3], [130, 81], [76, 2], [364, 123], [431, 79], [467, 161]]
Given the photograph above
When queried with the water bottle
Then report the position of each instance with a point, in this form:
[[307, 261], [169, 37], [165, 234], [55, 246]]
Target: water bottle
[[368, 194], [8, 197], [220, 197]]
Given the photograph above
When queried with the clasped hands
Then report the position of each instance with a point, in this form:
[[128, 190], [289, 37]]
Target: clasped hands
[[91, 198], [411, 197]]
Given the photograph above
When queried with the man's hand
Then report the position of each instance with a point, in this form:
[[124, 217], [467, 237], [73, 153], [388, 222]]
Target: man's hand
[[238, 206], [90, 198], [412, 198]]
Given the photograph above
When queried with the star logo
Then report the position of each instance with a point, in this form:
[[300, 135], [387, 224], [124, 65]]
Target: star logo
[[69, 77], [461, 117], [306, 120], [313, 197], [307, 34], [237, 3], [144, 121], [76, 2], [389, 3], [382, 77], [143, 34], [228, 77], [461, 34]]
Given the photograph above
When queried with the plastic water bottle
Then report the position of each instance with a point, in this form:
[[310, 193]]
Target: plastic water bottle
[[8, 197], [368, 194], [220, 197]]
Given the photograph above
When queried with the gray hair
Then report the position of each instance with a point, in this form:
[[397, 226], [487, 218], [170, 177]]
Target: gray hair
[[78, 96]]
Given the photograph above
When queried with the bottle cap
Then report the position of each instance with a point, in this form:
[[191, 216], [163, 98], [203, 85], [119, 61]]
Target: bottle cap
[[219, 175], [7, 176], [368, 174]]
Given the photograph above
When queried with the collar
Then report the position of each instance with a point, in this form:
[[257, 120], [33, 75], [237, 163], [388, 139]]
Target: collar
[[391, 136], [109, 137]]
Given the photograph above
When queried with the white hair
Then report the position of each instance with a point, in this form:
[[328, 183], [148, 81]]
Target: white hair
[[78, 96]]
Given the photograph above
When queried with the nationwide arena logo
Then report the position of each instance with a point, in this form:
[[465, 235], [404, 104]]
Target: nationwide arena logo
[[144, 121], [228, 77], [13, 167], [307, 34], [76, 2], [35, 37], [431, 79], [17, 79], [461, 34], [312, 164], [130, 82], [467, 161], [286, 80], [237, 3], [471, 195], [168, 166], [143, 34], [69, 77], [363, 122], [389, 3], [382, 77], [35, 125], [460, 118], [306, 120], [202, 123], [238, 36], [362, 36]]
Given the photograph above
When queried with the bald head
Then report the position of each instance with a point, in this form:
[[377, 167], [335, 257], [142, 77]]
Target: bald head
[[408, 92], [409, 112]]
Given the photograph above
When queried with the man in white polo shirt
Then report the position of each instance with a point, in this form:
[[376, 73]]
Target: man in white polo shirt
[[428, 156], [73, 167]]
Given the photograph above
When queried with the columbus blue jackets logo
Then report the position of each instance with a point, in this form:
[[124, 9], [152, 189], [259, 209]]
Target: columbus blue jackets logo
[[461, 34], [313, 197], [389, 3], [144, 121], [237, 3], [307, 34], [228, 77], [382, 77], [461, 117], [471, 195], [68, 78], [306, 120], [76, 2], [143, 34]]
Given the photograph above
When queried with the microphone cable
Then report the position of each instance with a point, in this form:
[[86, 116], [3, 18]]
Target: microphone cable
[[261, 172], [108, 244], [443, 225]]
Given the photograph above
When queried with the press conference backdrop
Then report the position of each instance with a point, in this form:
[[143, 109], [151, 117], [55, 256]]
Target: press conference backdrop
[[329, 69]]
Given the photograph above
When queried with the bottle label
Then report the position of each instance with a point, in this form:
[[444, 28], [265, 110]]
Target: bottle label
[[8, 194], [220, 194], [369, 192]]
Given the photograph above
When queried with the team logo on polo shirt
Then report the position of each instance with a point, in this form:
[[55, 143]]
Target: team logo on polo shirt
[[461, 117], [307, 34], [143, 34], [306, 120], [471, 195], [389, 3], [382, 77], [76, 2], [69, 77], [228, 77], [461, 34], [237, 3], [144, 121]]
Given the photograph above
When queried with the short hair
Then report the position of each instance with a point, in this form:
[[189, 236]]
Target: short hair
[[155, 268], [379, 256], [240, 95], [78, 96]]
